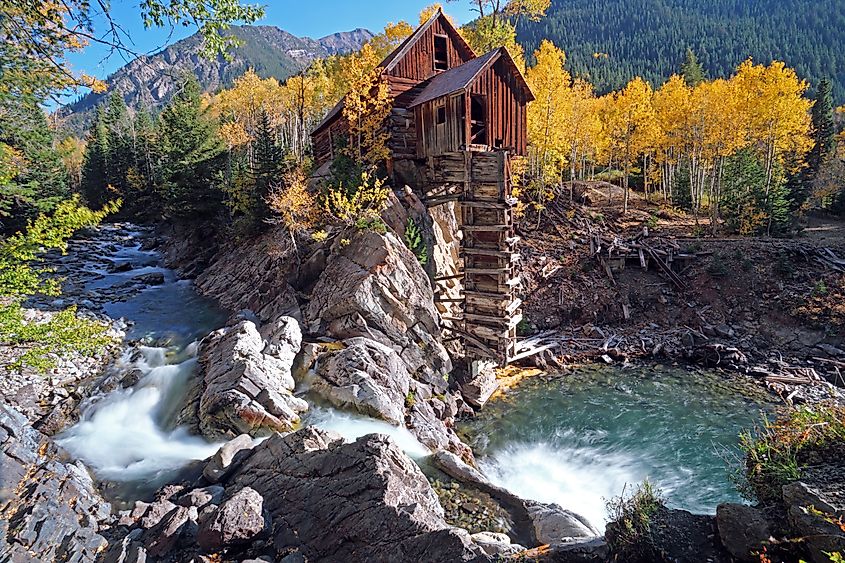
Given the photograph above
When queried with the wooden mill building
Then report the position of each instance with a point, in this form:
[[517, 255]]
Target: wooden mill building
[[456, 119]]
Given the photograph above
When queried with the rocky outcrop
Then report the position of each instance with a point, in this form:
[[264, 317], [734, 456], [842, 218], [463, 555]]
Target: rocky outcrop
[[370, 378], [816, 509], [244, 385], [374, 287], [367, 376], [743, 530], [311, 496], [51, 511], [258, 277]]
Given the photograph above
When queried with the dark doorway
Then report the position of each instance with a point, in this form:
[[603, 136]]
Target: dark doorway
[[441, 52], [478, 120]]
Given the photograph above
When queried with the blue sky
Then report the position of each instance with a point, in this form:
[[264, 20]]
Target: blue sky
[[314, 18]]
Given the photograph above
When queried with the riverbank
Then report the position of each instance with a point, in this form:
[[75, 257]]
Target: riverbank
[[332, 317]]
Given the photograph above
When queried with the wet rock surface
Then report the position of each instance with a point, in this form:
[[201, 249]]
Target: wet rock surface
[[312, 496]]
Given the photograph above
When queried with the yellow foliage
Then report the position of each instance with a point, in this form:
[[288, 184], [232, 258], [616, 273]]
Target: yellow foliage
[[366, 108], [365, 201], [293, 203]]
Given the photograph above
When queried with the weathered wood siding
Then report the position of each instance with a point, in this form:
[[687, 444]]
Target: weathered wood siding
[[418, 62], [506, 117], [505, 112], [434, 138], [324, 140]]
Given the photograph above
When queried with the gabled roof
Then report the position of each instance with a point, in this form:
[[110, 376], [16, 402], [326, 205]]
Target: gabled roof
[[390, 62], [399, 53], [461, 77]]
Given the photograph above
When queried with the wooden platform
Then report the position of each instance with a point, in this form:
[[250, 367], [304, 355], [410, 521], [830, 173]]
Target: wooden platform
[[481, 183]]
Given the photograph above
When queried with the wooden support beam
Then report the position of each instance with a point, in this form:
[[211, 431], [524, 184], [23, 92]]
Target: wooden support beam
[[447, 278], [490, 228]]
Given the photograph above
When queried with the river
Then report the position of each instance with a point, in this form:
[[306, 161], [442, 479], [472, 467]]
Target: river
[[574, 440], [583, 438]]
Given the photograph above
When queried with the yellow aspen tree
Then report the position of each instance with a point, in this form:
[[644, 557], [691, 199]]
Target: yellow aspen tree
[[633, 127], [776, 114], [366, 109], [672, 109], [547, 117]]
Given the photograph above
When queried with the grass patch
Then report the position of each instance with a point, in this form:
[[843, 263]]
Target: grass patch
[[629, 536], [778, 450]]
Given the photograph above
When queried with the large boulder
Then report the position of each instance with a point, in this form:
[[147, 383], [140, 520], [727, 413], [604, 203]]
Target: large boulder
[[360, 501], [743, 530], [553, 524], [51, 510], [374, 287], [366, 376], [237, 521], [815, 507], [245, 384]]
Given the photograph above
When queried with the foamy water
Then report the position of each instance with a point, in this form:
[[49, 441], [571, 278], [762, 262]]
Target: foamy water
[[123, 435], [353, 426], [581, 440]]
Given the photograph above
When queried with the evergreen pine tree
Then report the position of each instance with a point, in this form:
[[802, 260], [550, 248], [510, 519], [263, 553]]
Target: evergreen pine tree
[[824, 126], [191, 156], [692, 70], [95, 164], [267, 166]]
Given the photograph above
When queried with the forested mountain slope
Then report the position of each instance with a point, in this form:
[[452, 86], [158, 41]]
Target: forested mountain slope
[[150, 81], [649, 37]]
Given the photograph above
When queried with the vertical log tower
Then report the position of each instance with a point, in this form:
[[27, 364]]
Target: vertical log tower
[[492, 309], [481, 183]]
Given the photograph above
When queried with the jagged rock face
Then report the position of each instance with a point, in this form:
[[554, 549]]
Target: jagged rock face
[[50, 510], [374, 287], [367, 376], [244, 385], [362, 501], [257, 277], [815, 505], [312, 497]]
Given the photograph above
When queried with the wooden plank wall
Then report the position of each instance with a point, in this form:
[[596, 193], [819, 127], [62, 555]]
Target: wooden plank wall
[[418, 63], [506, 109]]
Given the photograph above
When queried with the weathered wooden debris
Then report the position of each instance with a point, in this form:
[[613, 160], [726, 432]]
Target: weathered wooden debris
[[614, 254]]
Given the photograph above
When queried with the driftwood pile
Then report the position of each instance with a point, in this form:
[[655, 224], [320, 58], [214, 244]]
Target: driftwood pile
[[614, 253]]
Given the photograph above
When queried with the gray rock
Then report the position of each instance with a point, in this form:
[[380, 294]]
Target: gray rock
[[587, 551], [51, 510], [363, 501], [242, 389], [742, 530], [237, 521], [229, 454], [155, 512], [374, 287], [366, 376], [812, 503], [553, 524], [173, 528], [199, 498], [495, 544], [153, 278], [481, 383]]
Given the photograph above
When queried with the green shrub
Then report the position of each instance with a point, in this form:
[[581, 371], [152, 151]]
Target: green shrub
[[42, 342], [414, 240], [630, 535], [777, 451]]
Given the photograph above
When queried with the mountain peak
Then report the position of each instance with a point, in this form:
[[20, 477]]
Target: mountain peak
[[151, 80]]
